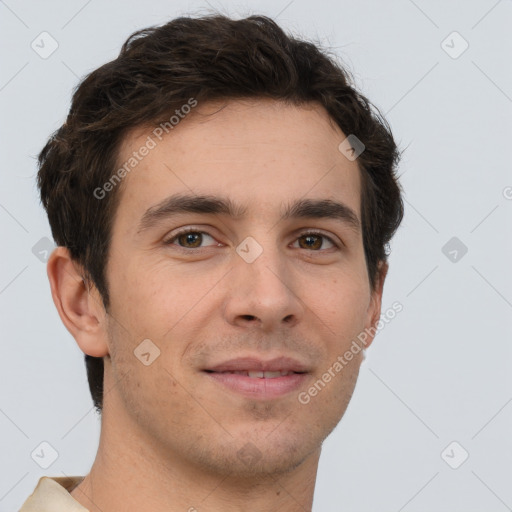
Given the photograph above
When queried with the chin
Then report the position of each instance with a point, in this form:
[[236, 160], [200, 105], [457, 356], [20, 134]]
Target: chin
[[261, 452], [250, 461]]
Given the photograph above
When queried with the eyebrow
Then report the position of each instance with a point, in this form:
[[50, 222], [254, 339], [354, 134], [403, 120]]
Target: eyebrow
[[205, 204]]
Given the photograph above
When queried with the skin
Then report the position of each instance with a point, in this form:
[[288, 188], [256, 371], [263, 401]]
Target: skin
[[170, 437]]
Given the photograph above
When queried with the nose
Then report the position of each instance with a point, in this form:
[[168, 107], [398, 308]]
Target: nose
[[261, 294]]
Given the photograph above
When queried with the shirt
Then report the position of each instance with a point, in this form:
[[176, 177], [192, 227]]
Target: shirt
[[52, 495]]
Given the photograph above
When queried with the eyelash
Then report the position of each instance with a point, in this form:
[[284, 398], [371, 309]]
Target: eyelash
[[170, 241]]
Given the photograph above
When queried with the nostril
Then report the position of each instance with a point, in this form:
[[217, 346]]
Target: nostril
[[248, 317]]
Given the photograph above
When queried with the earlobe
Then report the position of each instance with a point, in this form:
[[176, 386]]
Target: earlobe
[[80, 310]]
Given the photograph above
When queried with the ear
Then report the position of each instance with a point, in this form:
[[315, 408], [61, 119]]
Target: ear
[[374, 308], [81, 310]]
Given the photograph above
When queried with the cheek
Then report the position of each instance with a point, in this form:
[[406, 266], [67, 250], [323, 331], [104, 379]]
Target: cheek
[[342, 303], [151, 301], [151, 394]]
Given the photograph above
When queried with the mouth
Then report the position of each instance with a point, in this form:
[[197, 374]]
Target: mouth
[[255, 374], [258, 379]]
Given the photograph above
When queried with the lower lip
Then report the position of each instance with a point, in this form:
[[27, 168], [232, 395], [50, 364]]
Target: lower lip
[[259, 388]]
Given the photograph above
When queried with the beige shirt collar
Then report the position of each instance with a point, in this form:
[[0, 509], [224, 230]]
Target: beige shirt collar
[[52, 495]]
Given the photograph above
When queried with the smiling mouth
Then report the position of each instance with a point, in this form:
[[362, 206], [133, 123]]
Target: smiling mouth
[[259, 374], [258, 384]]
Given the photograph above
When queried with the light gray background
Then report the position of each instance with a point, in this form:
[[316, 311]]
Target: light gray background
[[439, 372]]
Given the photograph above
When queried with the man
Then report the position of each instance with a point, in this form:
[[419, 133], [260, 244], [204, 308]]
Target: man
[[222, 198]]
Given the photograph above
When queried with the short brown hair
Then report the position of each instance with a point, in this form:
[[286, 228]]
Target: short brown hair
[[207, 58]]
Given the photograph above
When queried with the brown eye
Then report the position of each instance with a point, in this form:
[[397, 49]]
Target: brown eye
[[314, 241], [310, 242], [191, 239]]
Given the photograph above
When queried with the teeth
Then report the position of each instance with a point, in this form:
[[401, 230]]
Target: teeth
[[261, 375], [267, 375], [271, 375]]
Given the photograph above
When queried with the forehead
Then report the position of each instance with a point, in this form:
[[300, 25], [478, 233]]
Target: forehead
[[263, 153]]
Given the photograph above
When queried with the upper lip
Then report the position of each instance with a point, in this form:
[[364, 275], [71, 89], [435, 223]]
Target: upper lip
[[255, 364]]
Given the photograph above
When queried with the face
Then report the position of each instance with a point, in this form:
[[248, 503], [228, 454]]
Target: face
[[270, 277]]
